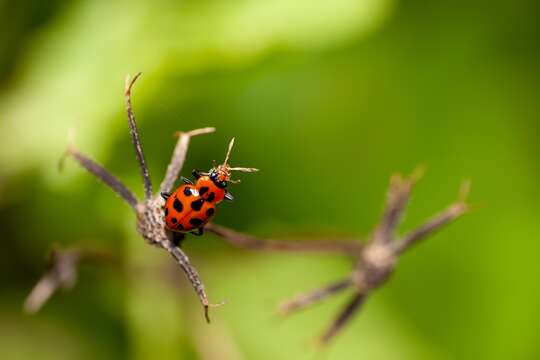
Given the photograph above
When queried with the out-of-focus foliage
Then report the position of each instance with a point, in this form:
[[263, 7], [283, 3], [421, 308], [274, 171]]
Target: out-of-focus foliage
[[328, 98]]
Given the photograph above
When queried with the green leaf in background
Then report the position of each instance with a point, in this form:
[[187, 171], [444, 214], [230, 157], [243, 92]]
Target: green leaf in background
[[72, 76]]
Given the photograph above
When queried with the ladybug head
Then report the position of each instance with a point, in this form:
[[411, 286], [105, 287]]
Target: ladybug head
[[221, 174]]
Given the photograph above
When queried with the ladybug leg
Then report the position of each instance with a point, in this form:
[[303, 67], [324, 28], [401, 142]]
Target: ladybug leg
[[196, 174], [165, 195], [199, 232], [186, 180], [177, 238], [228, 196]]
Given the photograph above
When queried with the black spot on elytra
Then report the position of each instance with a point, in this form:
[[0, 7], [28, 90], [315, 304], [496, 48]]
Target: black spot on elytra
[[179, 227], [174, 220], [203, 190], [197, 204], [211, 197], [177, 205], [210, 212], [196, 222], [187, 191]]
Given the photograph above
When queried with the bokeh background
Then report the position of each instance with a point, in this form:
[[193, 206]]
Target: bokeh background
[[328, 99]]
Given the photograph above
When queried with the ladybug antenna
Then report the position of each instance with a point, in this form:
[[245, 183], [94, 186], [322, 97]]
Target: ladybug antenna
[[231, 144], [227, 157], [244, 169]]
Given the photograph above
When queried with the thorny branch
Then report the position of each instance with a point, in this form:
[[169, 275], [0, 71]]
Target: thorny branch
[[179, 156], [150, 219], [241, 240], [135, 136], [304, 300], [379, 256], [110, 180], [149, 212], [375, 259]]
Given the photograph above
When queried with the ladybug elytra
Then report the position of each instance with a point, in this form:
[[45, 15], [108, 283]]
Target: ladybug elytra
[[193, 205]]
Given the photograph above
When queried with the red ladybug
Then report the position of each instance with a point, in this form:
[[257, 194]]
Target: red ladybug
[[192, 205]]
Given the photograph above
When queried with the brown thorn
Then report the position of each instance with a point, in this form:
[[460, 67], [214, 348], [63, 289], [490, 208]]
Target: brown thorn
[[178, 157], [343, 318], [195, 132], [201, 131], [344, 246], [417, 174], [134, 133], [464, 190], [304, 300], [433, 224]]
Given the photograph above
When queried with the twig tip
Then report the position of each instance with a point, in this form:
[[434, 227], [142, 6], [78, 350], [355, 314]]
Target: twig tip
[[464, 190], [284, 308], [129, 83], [417, 174], [70, 148]]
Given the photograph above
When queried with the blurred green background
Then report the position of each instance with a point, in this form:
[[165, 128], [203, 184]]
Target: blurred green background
[[328, 99]]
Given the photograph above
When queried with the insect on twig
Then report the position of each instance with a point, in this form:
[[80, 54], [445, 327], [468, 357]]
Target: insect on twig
[[374, 260], [149, 211]]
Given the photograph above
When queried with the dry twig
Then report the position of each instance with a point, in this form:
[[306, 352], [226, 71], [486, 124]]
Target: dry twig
[[61, 273], [241, 240], [375, 259], [149, 212], [150, 218]]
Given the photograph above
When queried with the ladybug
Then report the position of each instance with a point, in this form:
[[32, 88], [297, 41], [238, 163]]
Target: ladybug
[[193, 205]]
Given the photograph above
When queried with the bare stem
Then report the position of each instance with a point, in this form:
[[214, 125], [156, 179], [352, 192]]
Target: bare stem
[[343, 318], [397, 198], [304, 300], [61, 274], [191, 274], [430, 226], [377, 258], [348, 247], [179, 156], [135, 137], [101, 173]]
